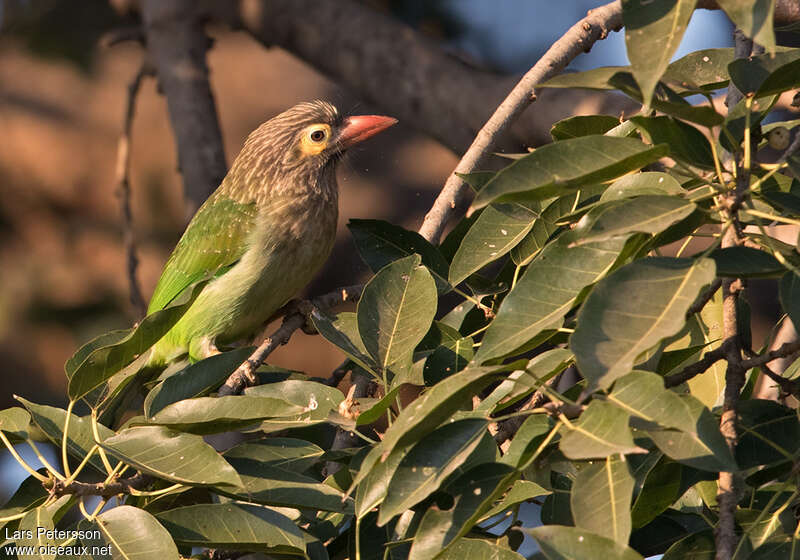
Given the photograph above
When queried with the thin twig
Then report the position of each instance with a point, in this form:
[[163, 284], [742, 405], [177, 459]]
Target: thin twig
[[704, 298], [297, 315], [786, 349], [123, 187], [580, 38], [709, 359]]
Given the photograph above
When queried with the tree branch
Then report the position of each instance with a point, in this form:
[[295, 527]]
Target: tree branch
[[704, 298], [709, 359], [177, 44], [578, 39], [297, 315], [120, 486], [123, 188]]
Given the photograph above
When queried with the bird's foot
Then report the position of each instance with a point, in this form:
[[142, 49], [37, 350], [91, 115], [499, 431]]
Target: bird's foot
[[206, 349]]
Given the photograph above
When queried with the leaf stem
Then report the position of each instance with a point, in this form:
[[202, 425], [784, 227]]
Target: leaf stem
[[39, 476], [44, 461], [64, 436]]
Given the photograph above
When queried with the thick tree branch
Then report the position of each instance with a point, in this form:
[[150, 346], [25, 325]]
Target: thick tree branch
[[177, 44]]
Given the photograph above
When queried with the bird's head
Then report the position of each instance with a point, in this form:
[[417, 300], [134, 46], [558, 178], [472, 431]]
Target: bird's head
[[304, 143]]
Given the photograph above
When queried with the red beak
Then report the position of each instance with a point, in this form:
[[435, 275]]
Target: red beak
[[358, 128]]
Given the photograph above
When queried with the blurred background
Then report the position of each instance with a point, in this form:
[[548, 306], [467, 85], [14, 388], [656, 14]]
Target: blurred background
[[62, 261]]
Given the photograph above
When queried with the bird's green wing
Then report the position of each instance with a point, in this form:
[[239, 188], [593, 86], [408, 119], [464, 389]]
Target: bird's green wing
[[213, 241]]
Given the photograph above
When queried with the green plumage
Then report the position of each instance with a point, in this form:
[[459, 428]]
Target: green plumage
[[263, 234]]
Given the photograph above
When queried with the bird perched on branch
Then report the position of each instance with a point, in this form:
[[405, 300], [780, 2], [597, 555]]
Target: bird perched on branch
[[264, 233]]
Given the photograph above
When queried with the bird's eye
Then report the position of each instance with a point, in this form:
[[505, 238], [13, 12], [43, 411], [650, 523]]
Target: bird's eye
[[317, 135]]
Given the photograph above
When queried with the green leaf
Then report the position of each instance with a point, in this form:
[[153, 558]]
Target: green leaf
[[631, 310], [428, 411], [496, 231], [732, 133], [621, 218], [668, 101], [769, 433], [583, 125], [571, 543], [317, 401], [454, 447], [601, 498], [195, 380], [265, 483], [213, 415], [290, 454], [652, 36], [527, 441], [171, 455], [477, 549], [547, 223], [80, 439], [100, 359], [566, 166], [754, 18], [705, 69], [644, 183], [545, 293], [35, 526], [451, 356], [519, 384], [396, 310], [662, 487], [522, 491], [29, 495], [742, 261], [234, 526], [14, 422], [687, 144], [341, 330], [380, 243], [697, 546], [472, 494], [596, 78], [133, 533], [688, 432], [601, 430], [790, 296], [709, 387]]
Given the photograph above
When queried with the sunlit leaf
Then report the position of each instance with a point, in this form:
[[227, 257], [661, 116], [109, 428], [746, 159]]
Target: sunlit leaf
[[472, 494], [171, 455], [80, 438], [601, 430], [571, 543], [496, 231], [601, 498], [545, 293], [754, 18], [234, 526], [395, 310], [455, 447], [565, 166], [631, 310], [195, 380], [652, 37]]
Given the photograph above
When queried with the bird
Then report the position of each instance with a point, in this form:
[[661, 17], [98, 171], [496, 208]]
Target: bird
[[263, 234]]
